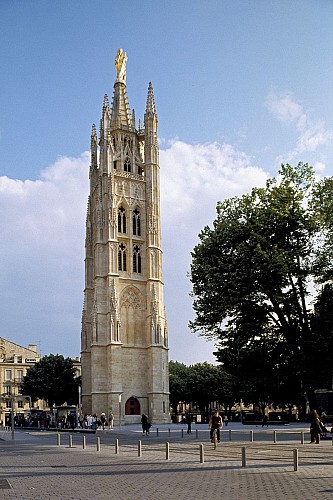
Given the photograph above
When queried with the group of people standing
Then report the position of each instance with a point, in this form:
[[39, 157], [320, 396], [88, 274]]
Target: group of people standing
[[91, 421]]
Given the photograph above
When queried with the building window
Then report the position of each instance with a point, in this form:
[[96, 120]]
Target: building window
[[19, 359], [20, 404], [8, 374], [20, 375], [8, 390], [136, 223], [136, 259], [8, 404], [122, 257], [121, 220], [127, 164], [158, 334]]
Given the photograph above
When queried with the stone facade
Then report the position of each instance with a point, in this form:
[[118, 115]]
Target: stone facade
[[15, 360], [124, 350]]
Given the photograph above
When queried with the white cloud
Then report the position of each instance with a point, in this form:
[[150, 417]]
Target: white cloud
[[312, 138], [193, 179], [319, 166], [311, 134], [197, 176], [46, 212], [285, 108], [42, 244], [42, 249]]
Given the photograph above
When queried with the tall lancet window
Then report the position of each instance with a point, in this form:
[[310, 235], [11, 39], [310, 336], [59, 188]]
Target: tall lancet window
[[121, 220], [136, 223], [137, 259], [122, 257], [127, 164]]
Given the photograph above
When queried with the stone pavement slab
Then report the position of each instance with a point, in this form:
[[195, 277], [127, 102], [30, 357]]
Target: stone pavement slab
[[36, 468]]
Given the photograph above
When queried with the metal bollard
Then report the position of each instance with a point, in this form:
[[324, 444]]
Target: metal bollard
[[70, 441], [202, 454], [139, 449], [229, 434], [167, 451], [274, 436], [182, 432], [215, 440], [251, 436], [58, 439], [116, 447], [84, 442], [169, 431], [98, 444], [157, 431], [302, 437], [196, 433], [243, 457], [295, 460]]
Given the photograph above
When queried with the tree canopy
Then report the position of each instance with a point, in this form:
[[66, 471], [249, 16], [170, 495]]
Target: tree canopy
[[255, 273], [178, 373], [199, 384], [53, 379]]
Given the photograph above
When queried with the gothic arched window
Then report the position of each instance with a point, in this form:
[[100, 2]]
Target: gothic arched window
[[158, 334], [127, 164], [137, 259], [121, 220], [136, 223], [122, 257]]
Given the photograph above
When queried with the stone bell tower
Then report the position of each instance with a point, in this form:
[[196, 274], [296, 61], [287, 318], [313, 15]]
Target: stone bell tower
[[124, 339]]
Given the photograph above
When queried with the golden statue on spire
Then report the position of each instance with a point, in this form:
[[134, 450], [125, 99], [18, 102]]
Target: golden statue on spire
[[120, 63]]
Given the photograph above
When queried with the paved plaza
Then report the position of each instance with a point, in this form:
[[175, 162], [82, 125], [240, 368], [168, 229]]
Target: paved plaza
[[35, 466]]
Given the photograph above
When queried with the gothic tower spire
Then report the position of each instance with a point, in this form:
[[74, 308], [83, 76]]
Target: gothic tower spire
[[124, 326]]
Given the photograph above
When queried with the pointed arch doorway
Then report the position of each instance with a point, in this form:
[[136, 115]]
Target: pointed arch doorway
[[132, 406]]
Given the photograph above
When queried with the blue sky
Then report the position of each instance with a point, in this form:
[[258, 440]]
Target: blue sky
[[240, 86]]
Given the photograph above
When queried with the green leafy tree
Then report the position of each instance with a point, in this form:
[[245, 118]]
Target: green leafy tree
[[202, 385], [319, 353], [52, 379], [199, 384], [178, 374], [253, 272], [224, 391]]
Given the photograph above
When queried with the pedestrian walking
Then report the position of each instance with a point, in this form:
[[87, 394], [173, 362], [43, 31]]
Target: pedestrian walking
[[103, 420], [145, 424], [316, 427], [188, 420]]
